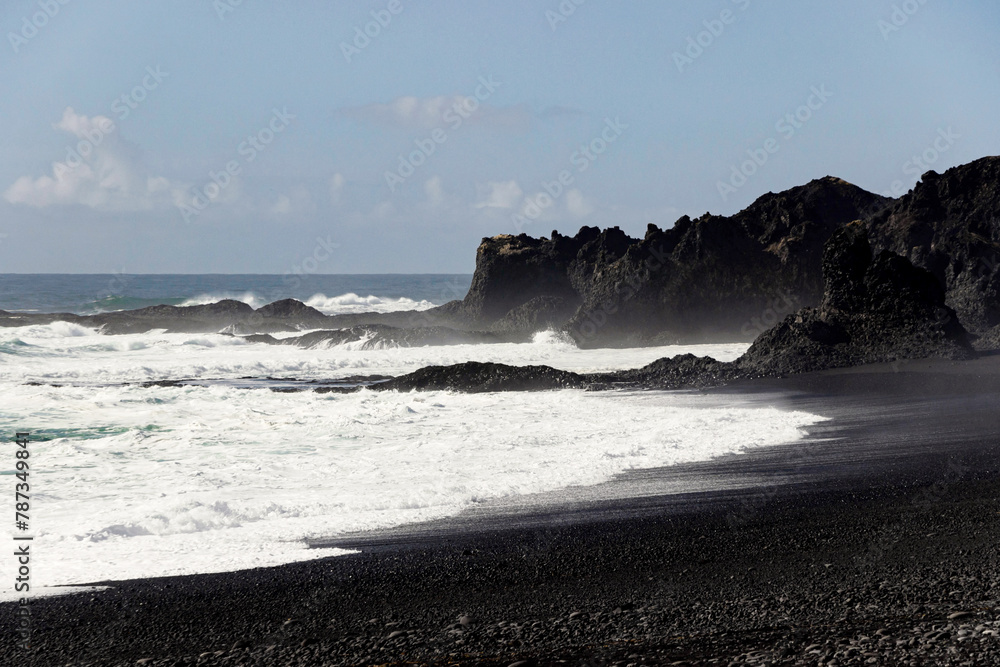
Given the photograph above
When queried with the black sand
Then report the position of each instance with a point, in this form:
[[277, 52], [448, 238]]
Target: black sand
[[873, 541]]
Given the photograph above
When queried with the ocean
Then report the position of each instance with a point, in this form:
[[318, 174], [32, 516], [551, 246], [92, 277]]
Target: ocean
[[331, 294], [132, 481]]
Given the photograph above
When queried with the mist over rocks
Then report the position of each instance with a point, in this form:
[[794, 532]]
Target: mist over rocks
[[874, 308], [702, 280]]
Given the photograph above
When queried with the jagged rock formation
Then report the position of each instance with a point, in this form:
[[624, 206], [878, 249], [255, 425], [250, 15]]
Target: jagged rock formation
[[949, 224], [704, 279], [874, 308]]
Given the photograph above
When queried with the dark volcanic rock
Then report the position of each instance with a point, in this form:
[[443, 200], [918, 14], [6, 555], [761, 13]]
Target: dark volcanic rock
[[874, 309], [197, 319], [708, 279], [703, 279], [474, 376], [290, 309], [513, 270], [538, 314], [949, 224], [682, 371]]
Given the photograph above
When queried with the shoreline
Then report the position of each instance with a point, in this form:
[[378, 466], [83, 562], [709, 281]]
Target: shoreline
[[904, 499]]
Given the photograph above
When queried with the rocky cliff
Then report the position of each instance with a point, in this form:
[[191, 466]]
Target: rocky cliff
[[949, 224], [875, 307], [712, 278]]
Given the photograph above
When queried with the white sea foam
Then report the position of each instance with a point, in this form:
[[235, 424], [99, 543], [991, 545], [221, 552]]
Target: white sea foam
[[62, 352], [352, 303], [130, 481], [328, 305], [140, 482]]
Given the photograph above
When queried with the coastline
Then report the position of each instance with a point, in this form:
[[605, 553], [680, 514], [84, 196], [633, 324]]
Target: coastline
[[861, 526]]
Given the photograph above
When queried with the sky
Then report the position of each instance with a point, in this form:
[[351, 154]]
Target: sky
[[390, 136]]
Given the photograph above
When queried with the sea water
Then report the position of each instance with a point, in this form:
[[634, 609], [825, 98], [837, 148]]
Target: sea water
[[130, 481]]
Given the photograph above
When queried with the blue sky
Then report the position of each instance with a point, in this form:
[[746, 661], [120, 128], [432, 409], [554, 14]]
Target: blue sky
[[254, 135]]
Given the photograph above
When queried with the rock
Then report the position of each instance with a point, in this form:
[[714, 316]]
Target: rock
[[949, 225], [537, 314], [701, 279], [874, 309], [956, 615], [474, 376], [290, 309]]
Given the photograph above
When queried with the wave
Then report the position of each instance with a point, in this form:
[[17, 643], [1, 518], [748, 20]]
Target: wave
[[114, 303], [353, 303], [553, 337], [342, 304], [192, 470]]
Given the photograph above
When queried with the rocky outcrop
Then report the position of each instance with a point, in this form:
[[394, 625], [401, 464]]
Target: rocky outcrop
[[874, 308], [538, 314], [474, 376], [185, 319], [949, 224], [290, 309], [701, 280], [514, 270], [227, 316]]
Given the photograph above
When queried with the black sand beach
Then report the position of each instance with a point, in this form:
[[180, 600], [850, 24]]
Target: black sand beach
[[872, 541]]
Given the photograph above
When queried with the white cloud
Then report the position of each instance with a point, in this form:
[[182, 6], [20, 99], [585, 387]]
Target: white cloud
[[505, 194], [100, 171], [577, 205], [296, 200], [337, 187], [434, 191], [383, 211], [283, 206]]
